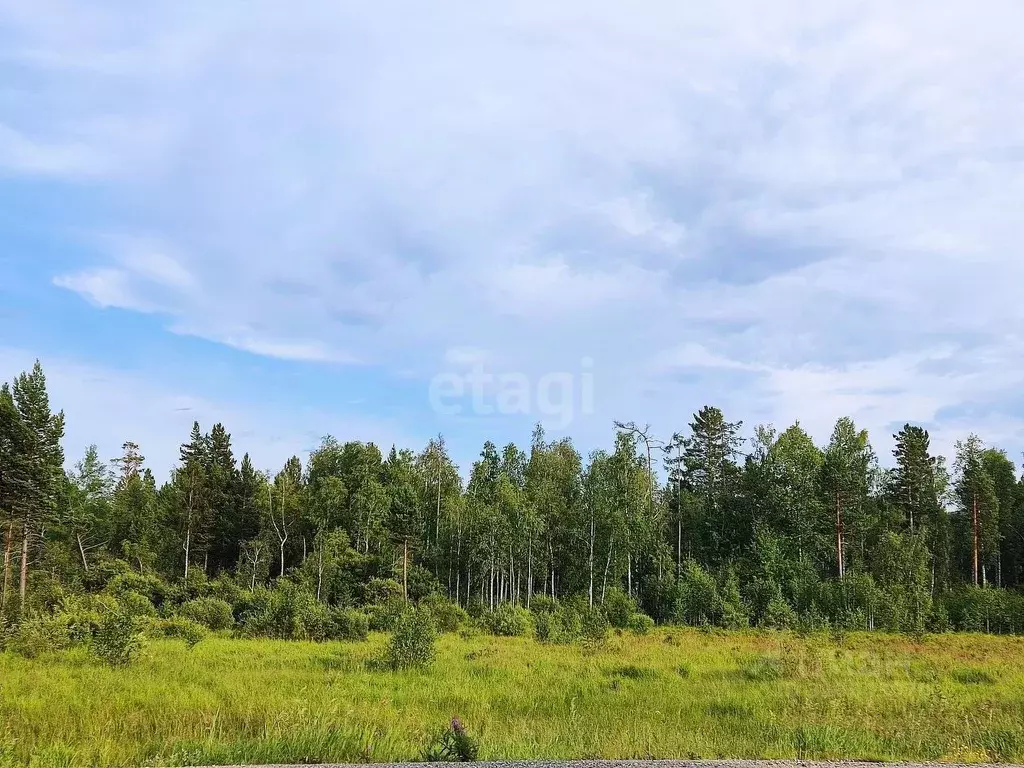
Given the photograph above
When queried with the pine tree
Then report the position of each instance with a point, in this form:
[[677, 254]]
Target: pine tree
[[43, 461], [191, 481], [14, 480], [976, 494], [846, 480]]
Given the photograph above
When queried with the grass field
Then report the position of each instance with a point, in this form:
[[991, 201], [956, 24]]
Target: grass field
[[678, 693]]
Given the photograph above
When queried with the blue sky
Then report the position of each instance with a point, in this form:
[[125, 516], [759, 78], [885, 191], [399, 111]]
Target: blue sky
[[292, 217]]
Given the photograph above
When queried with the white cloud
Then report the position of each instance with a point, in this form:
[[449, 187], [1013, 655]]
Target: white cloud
[[815, 201], [108, 406]]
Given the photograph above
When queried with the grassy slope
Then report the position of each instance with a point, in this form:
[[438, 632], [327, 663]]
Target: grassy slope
[[672, 694]]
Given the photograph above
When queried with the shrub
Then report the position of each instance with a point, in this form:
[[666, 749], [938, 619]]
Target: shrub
[[276, 613], [315, 622], [154, 588], [508, 620], [618, 607], [412, 643], [452, 745], [384, 616], [179, 627], [378, 591], [84, 613], [779, 614], [36, 635], [349, 624], [135, 604], [543, 604], [641, 623], [593, 625], [118, 640], [211, 612], [446, 614]]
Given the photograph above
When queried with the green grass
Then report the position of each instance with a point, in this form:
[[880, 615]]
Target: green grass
[[706, 695]]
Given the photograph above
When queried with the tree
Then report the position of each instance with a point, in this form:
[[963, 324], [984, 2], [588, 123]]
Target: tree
[[405, 511], [191, 481], [976, 494], [14, 479], [224, 487], [43, 459], [846, 479], [915, 488], [710, 473], [87, 501]]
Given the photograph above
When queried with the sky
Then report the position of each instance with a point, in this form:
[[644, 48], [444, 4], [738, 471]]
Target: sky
[[324, 217]]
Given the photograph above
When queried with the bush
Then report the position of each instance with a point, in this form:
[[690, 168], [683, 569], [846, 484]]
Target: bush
[[36, 635], [452, 745], [180, 628], [641, 623], [315, 622], [135, 604], [118, 640], [348, 624], [384, 616], [593, 625], [83, 614], [779, 614], [507, 620], [448, 616], [211, 612], [618, 607], [379, 591], [154, 588], [412, 643], [543, 604]]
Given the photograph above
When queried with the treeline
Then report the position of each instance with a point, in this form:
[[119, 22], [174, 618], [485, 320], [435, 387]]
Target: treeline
[[705, 527]]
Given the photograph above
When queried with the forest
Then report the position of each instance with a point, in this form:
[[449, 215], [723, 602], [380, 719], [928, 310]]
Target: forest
[[704, 527]]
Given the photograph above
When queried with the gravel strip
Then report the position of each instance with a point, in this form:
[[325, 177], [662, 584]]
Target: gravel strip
[[665, 764]]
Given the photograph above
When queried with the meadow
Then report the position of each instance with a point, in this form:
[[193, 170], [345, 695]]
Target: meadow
[[679, 693]]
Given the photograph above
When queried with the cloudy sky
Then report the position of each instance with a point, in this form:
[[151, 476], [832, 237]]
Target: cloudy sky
[[292, 217]]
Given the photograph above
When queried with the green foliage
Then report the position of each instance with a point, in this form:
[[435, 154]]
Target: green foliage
[[349, 624], [118, 639], [151, 587], [211, 612], [619, 608], [447, 616], [384, 616], [508, 620], [641, 623], [179, 627], [452, 745], [39, 634], [412, 642], [593, 625], [135, 604]]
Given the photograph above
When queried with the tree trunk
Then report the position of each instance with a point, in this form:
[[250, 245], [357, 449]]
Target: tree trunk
[[24, 564], [974, 547], [839, 535], [529, 573], [607, 567], [629, 573], [590, 560], [81, 550], [405, 569], [188, 545], [8, 545], [319, 570]]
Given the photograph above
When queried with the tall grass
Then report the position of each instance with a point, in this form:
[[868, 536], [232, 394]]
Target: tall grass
[[744, 695]]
